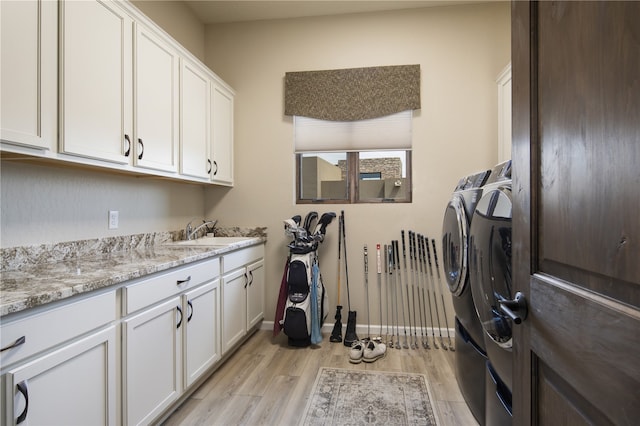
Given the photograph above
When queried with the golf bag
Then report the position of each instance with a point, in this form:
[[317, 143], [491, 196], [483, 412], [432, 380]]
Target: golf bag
[[305, 305]]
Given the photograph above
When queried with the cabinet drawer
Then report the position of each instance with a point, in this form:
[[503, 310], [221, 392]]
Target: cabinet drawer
[[152, 290], [242, 257], [49, 328]]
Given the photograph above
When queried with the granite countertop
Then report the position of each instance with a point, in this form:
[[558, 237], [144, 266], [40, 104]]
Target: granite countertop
[[57, 272]]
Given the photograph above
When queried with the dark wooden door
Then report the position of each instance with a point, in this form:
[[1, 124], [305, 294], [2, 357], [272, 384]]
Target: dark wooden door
[[576, 213]]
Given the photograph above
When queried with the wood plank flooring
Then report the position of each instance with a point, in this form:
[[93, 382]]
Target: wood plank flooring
[[267, 382]]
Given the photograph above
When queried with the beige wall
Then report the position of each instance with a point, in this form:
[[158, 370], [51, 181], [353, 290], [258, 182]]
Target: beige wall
[[178, 20], [461, 50], [42, 204]]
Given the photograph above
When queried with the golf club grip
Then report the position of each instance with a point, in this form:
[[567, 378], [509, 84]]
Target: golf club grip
[[404, 249], [410, 247], [366, 262], [397, 254], [435, 254]]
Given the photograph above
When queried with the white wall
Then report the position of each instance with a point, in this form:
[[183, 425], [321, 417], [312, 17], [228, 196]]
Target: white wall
[[461, 50]]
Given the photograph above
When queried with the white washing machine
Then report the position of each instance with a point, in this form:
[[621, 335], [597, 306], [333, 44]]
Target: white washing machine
[[490, 279]]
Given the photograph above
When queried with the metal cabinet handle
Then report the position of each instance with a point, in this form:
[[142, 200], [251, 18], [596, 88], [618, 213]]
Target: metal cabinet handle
[[18, 342], [515, 309], [191, 310], [22, 388], [210, 166], [216, 171], [141, 151], [250, 276], [246, 280], [128, 151], [180, 312], [179, 282]]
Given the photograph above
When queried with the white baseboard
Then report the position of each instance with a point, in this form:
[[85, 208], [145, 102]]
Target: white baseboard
[[362, 329]]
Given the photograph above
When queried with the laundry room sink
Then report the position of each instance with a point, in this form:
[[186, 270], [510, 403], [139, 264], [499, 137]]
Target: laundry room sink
[[214, 241]]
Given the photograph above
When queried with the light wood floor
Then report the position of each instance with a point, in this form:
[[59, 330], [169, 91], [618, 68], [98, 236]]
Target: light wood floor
[[267, 382]]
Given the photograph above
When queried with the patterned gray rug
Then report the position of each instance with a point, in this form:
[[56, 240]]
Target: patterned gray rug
[[358, 397]]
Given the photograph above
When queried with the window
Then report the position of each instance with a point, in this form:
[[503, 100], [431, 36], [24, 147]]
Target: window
[[353, 177], [352, 133]]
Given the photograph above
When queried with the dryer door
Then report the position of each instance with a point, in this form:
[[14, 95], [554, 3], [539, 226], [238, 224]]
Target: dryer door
[[455, 228], [490, 262]]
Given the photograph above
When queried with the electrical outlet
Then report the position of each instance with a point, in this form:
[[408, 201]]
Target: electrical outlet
[[113, 219]]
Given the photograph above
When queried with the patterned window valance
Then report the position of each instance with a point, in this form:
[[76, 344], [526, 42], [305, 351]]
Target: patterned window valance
[[352, 94]]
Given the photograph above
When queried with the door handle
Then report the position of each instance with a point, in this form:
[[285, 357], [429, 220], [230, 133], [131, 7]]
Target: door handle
[[515, 309]]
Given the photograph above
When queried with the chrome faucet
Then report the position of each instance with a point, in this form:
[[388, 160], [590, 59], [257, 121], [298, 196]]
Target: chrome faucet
[[190, 232]]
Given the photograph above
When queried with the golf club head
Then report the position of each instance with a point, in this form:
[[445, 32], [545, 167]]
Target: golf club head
[[309, 219], [325, 220], [350, 335]]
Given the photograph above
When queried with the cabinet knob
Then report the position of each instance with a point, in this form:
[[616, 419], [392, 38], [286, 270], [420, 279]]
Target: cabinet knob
[[22, 388], [21, 340], [186, 280], [180, 312], [128, 151], [142, 150], [190, 310]]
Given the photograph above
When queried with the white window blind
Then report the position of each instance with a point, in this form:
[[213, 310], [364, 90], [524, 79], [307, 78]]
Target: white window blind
[[391, 132]]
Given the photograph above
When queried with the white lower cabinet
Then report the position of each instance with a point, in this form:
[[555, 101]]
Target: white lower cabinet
[[235, 308], [202, 333], [243, 294], [73, 385], [255, 293], [152, 360], [86, 363], [171, 337], [58, 364]]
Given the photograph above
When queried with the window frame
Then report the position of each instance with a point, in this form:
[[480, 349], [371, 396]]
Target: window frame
[[353, 183]]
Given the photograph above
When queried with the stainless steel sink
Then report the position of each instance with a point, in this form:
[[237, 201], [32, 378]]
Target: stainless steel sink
[[213, 241]]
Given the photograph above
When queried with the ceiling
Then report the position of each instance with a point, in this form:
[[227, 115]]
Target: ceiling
[[217, 12]]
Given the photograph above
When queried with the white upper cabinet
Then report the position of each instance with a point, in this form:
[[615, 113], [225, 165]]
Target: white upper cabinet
[[156, 81], [222, 140], [28, 73], [504, 114], [96, 80], [195, 103], [97, 83]]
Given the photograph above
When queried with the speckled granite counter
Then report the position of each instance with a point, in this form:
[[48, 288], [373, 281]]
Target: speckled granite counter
[[36, 275]]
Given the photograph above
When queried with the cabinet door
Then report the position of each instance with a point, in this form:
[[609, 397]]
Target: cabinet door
[[152, 360], [96, 80], [29, 73], [156, 101], [202, 333], [75, 385], [255, 293], [195, 119], [222, 130], [234, 308]]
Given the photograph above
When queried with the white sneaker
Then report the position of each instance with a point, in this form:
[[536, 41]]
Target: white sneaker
[[374, 351], [356, 351]]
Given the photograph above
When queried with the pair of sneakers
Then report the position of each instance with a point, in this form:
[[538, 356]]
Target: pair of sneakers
[[367, 351]]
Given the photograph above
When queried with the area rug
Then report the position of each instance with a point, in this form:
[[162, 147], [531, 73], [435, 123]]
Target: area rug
[[358, 397]]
